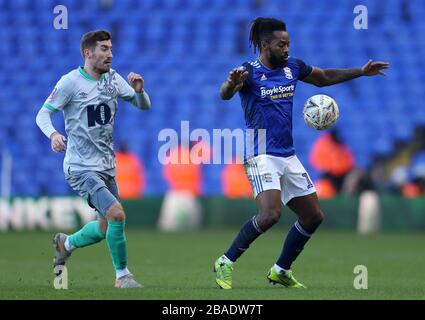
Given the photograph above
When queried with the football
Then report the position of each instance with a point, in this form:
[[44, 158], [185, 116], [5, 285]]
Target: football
[[320, 112]]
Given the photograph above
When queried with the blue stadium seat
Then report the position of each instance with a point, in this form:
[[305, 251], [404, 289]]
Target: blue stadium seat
[[185, 49]]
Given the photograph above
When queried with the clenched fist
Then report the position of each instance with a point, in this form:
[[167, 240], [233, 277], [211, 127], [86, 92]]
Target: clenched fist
[[58, 142]]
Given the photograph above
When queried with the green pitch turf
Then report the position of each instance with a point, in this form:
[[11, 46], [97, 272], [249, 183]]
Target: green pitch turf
[[179, 266]]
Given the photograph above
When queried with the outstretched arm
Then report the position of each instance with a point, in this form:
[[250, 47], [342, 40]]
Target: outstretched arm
[[326, 77], [233, 83]]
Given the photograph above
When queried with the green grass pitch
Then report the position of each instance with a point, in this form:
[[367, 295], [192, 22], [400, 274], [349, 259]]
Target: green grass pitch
[[179, 266]]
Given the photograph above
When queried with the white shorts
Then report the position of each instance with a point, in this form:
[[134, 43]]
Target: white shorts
[[266, 172]]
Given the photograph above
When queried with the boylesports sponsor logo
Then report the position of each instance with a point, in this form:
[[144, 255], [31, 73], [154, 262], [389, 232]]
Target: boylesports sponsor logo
[[278, 92]]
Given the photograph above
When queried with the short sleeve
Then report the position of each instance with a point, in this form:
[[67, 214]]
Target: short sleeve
[[304, 69], [126, 92], [60, 96], [248, 81]]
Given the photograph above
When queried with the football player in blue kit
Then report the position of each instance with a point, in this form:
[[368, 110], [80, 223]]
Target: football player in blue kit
[[266, 88]]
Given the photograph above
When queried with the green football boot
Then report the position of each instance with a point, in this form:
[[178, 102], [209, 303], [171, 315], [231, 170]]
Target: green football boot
[[223, 274], [285, 279]]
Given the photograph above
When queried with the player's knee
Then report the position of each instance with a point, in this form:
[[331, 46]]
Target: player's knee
[[314, 220], [320, 217], [268, 218], [116, 213], [317, 218], [274, 216]]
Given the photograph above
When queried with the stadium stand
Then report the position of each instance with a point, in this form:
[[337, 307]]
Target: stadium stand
[[184, 49]]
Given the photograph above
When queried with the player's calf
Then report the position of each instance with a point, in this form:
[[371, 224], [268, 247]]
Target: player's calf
[[117, 245]]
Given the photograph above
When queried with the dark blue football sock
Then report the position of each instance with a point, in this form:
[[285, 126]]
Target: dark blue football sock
[[248, 233], [295, 240]]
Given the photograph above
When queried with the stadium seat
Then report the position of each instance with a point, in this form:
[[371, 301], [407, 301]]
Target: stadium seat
[[185, 49]]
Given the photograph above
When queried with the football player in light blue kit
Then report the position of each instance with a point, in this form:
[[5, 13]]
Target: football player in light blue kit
[[266, 87], [87, 96]]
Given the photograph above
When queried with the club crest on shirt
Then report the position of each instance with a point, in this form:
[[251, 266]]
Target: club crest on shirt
[[288, 73], [108, 87], [110, 90]]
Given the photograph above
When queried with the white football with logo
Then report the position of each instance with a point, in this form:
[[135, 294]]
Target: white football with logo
[[320, 112]]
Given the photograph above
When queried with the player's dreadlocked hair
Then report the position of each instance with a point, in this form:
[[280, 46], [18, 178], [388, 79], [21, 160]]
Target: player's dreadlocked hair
[[262, 30]]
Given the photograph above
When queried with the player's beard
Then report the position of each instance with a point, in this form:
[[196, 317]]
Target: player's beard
[[103, 68], [276, 61]]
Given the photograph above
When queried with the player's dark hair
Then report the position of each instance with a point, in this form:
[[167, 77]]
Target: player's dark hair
[[89, 39], [262, 30]]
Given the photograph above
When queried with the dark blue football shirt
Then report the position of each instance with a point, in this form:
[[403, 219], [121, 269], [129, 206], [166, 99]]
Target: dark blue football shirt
[[267, 99]]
